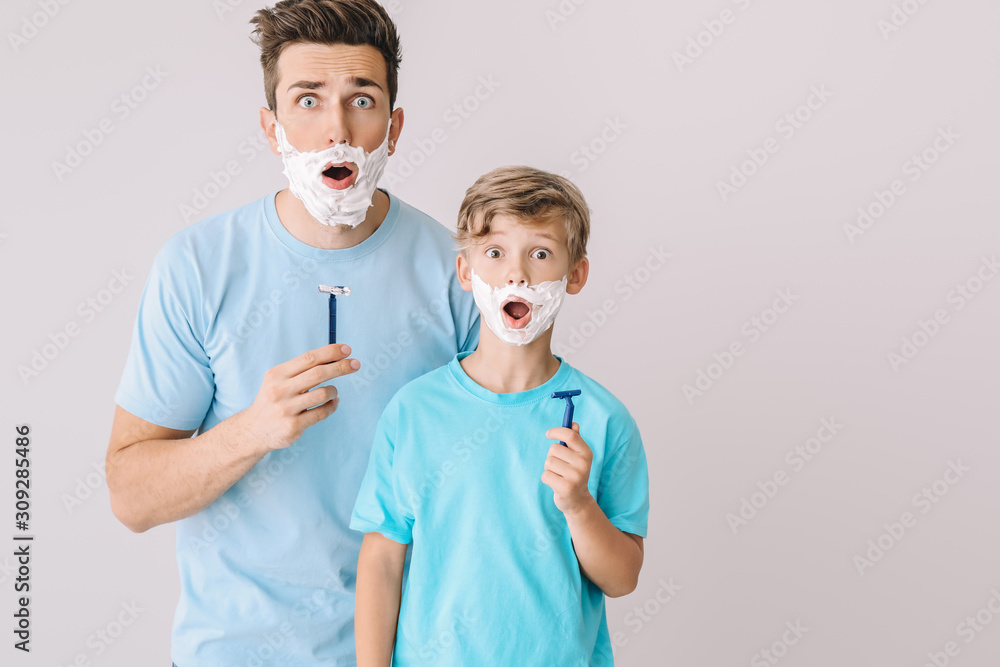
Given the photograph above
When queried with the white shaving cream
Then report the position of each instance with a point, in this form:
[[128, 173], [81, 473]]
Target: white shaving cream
[[305, 179], [545, 299]]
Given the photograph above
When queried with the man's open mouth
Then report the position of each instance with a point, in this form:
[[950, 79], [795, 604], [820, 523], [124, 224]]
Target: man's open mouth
[[516, 313], [340, 176]]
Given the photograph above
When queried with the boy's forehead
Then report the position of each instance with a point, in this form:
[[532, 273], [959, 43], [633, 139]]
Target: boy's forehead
[[505, 226], [311, 62]]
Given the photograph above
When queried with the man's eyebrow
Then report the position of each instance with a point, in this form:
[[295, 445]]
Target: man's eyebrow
[[354, 81], [308, 85], [362, 82]]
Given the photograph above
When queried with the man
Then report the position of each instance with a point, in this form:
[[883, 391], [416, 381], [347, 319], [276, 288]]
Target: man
[[229, 344]]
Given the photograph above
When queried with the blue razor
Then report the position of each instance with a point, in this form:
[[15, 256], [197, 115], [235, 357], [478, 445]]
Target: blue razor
[[568, 415], [333, 291]]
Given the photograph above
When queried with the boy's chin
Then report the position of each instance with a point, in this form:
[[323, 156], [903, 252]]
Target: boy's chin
[[514, 338]]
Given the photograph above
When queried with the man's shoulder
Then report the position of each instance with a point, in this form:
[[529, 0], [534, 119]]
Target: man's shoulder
[[201, 242], [414, 222]]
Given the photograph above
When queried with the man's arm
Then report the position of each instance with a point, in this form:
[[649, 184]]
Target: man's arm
[[609, 557], [157, 475], [376, 606]]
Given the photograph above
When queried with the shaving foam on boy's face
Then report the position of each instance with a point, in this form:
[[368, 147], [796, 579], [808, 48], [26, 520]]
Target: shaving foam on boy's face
[[518, 314], [335, 184]]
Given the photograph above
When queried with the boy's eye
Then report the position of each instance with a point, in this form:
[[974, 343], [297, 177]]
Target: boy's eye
[[308, 101], [364, 102], [494, 253], [541, 254]]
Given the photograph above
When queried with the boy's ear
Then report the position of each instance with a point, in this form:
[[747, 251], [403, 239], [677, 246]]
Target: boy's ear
[[578, 276], [463, 270]]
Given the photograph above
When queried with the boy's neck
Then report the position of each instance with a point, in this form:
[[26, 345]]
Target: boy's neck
[[506, 369]]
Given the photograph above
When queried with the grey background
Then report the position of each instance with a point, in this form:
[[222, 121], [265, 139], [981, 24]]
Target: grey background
[[707, 595]]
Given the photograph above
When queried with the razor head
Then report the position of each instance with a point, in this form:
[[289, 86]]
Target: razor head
[[565, 394], [335, 289]]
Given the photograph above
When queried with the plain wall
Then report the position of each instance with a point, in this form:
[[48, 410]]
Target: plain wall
[[809, 111]]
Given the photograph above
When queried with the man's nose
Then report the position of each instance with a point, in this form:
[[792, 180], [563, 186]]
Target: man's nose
[[336, 128]]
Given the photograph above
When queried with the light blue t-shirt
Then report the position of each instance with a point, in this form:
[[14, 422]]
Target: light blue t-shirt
[[493, 579], [267, 572]]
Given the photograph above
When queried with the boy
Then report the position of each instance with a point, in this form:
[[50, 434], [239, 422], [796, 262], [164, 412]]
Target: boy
[[515, 540]]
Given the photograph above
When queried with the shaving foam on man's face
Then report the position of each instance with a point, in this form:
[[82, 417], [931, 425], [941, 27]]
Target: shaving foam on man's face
[[518, 314], [336, 184]]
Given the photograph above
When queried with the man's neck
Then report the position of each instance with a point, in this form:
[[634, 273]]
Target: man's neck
[[296, 219], [504, 368]]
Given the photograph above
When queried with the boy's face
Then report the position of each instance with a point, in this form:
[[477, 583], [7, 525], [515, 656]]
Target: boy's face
[[329, 94], [520, 253]]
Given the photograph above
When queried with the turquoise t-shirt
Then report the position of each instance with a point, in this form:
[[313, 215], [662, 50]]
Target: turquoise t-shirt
[[493, 579], [267, 572]]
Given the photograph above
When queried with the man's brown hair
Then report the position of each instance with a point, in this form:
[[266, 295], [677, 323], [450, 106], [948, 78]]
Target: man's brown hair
[[352, 22], [529, 194]]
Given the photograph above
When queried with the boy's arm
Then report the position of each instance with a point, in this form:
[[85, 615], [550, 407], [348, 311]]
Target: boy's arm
[[609, 557], [376, 607]]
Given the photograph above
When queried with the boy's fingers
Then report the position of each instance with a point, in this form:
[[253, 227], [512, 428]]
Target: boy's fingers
[[558, 466], [570, 437], [551, 479]]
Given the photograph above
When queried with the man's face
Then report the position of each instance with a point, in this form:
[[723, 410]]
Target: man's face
[[329, 94], [516, 252]]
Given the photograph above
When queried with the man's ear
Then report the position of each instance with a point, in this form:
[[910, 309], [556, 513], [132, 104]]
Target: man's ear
[[267, 124], [396, 129], [464, 272], [578, 276]]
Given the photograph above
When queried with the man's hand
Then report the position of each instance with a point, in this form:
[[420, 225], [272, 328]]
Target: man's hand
[[567, 469], [289, 401]]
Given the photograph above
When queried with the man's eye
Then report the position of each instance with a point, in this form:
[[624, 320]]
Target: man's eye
[[493, 253], [308, 101], [541, 254], [363, 102]]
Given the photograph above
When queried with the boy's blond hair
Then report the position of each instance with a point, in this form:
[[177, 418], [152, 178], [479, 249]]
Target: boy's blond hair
[[530, 194]]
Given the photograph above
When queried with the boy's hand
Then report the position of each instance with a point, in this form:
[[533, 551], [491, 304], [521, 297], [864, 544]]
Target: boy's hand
[[567, 469]]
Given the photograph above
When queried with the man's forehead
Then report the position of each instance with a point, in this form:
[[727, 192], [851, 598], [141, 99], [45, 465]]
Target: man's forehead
[[330, 63]]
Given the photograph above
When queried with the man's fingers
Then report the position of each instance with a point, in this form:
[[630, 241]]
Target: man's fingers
[[311, 377], [307, 360], [311, 399], [319, 413]]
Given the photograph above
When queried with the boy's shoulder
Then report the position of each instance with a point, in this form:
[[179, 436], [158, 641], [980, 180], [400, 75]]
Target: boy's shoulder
[[601, 401], [416, 392]]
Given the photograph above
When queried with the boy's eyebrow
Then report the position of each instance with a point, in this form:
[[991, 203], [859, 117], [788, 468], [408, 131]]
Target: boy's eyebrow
[[354, 81], [546, 235]]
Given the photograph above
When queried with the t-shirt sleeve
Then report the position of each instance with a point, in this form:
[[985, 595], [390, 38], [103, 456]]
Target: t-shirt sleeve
[[377, 509], [167, 378], [623, 492]]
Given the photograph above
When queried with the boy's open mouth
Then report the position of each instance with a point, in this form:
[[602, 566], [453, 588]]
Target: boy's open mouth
[[516, 313], [340, 176]]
